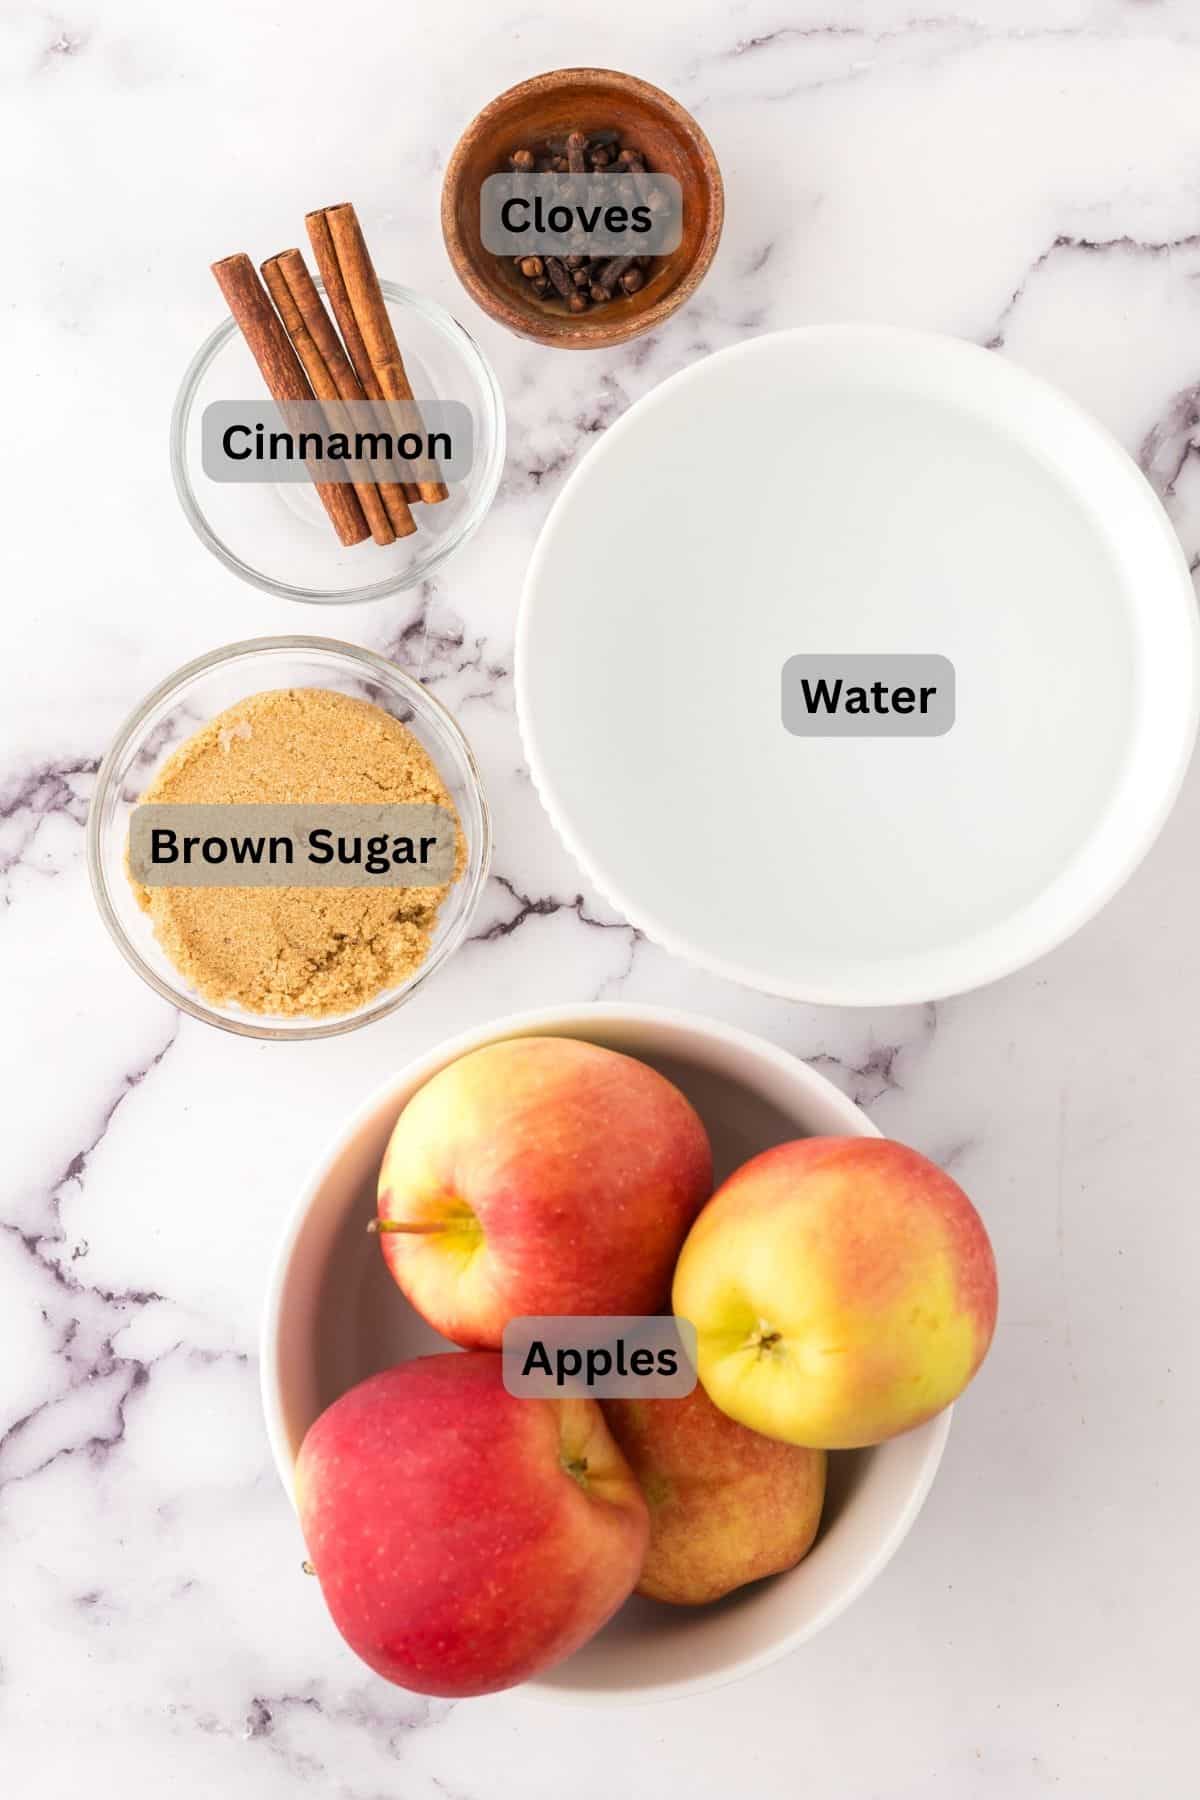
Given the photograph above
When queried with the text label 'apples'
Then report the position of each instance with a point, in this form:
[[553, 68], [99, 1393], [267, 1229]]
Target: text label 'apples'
[[646, 1358]]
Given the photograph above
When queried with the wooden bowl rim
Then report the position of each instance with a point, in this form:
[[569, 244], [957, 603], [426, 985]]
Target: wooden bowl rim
[[582, 336]]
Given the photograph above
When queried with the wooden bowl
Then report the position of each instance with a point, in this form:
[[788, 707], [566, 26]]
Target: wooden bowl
[[549, 106]]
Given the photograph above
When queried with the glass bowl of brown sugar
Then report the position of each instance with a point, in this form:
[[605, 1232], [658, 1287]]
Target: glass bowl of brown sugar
[[299, 722]]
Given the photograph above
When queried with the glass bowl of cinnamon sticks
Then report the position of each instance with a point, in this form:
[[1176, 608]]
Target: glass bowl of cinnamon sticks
[[337, 337]]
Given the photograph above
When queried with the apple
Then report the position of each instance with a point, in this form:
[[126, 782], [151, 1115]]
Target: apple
[[465, 1540], [843, 1290], [540, 1176], [727, 1506]]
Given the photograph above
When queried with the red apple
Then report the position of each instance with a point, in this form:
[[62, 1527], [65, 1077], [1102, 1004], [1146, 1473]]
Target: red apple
[[540, 1176], [464, 1539]]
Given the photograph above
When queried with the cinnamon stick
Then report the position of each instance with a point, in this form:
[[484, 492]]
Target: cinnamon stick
[[286, 381], [325, 363], [397, 496], [321, 239], [347, 269]]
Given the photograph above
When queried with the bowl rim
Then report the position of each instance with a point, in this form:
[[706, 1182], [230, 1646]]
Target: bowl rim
[[247, 650], [564, 1019], [583, 336], [908, 981], [472, 517]]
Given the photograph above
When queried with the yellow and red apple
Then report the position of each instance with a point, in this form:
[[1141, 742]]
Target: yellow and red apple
[[843, 1290], [465, 1540], [727, 1506], [540, 1176]]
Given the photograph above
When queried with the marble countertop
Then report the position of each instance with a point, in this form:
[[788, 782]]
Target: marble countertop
[[1024, 173]]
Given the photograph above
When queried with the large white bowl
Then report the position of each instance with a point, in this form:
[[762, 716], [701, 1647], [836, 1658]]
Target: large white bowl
[[333, 1316], [857, 490]]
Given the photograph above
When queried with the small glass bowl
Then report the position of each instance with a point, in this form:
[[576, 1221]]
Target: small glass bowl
[[277, 535], [184, 703]]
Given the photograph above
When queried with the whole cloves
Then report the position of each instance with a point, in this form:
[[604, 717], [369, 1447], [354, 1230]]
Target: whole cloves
[[562, 283], [577, 281], [610, 273]]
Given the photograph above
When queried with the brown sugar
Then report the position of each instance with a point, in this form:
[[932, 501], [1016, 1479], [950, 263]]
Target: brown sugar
[[298, 950]]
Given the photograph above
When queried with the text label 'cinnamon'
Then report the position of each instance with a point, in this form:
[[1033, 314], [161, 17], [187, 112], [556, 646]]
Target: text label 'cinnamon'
[[337, 441]]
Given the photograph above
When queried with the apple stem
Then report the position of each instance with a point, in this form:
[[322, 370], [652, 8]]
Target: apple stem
[[378, 1225], [763, 1338], [308, 1568]]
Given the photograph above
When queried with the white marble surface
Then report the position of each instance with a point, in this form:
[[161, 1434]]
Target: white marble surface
[[1025, 173]]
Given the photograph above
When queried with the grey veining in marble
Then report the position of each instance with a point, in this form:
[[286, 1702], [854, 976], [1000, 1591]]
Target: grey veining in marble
[[1023, 173]]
